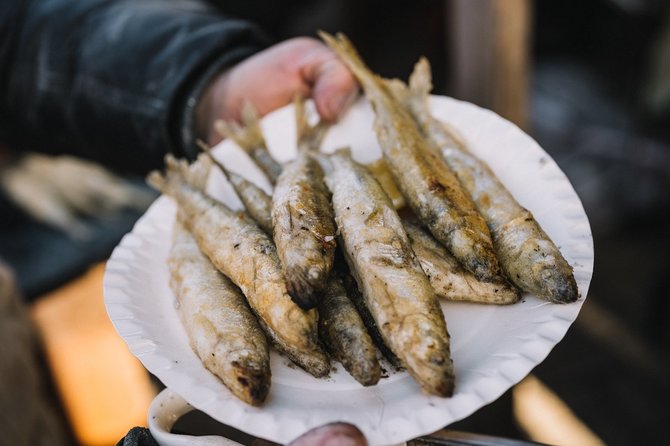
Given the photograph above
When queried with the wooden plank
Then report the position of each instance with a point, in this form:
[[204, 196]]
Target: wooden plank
[[30, 412], [489, 46], [105, 390]]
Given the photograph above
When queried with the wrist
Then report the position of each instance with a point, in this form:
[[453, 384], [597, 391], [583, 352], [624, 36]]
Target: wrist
[[214, 104], [203, 112], [196, 109]]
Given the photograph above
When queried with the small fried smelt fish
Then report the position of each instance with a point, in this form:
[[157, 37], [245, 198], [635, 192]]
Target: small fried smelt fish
[[257, 203], [340, 326], [527, 255], [221, 328], [242, 251], [303, 221], [448, 278], [396, 290], [198, 172], [380, 170], [250, 138], [359, 302], [342, 330], [433, 193]]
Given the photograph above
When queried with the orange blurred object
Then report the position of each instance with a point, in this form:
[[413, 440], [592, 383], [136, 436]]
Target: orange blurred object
[[104, 389]]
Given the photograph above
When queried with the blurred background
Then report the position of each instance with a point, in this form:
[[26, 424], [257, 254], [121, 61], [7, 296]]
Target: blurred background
[[589, 80]]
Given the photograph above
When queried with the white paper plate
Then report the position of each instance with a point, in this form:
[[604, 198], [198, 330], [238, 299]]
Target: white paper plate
[[493, 347]]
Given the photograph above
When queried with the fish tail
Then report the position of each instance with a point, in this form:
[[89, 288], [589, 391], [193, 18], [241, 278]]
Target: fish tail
[[252, 126], [415, 95], [199, 172], [157, 180], [347, 52], [165, 182], [301, 124], [248, 135], [420, 81], [399, 91], [175, 168], [206, 152], [178, 170], [420, 86], [309, 137], [343, 151]]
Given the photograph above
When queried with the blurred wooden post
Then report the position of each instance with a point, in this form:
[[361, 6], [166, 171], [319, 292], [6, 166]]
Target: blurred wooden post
[[105, 390], [489, 48], [28, 407]]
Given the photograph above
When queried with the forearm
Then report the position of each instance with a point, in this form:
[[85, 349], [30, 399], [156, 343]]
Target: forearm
[[113, 81]]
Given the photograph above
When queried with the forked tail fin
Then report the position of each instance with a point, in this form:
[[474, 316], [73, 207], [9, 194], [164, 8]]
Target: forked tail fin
[[176, 172], [420, 81], [399, 90], [309, 137], [156, 180], [198, 172], [248, 135], [348, 54], [206, 152], [420, 86]]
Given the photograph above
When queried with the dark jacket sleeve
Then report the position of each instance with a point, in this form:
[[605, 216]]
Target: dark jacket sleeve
[[114, 81]]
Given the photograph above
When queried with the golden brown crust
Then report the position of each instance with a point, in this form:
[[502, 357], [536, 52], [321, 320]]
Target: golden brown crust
[[449, 280], [396, 290], [527, 255], [302, 218], [243, 252], [345, 335], [433, 192], [222, 330]]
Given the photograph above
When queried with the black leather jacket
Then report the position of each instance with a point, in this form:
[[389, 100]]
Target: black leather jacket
[[111, 80]]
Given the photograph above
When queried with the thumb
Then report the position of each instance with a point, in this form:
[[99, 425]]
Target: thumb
[[334, 434]]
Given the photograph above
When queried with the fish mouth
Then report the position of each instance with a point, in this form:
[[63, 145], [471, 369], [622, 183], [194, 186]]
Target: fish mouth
[[560, 288], [306, 288], [255, 380], [303, 294]]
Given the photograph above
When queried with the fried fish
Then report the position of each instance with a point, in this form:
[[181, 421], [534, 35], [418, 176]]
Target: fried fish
[[302, 219], [527, 255], [448, 278], [244, 253], [346, 337], [257, 203], [221, 328], [396, 290], [433, 192], [249, 136]]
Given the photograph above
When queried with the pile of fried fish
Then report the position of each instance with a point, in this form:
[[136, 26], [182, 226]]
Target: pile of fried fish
[[326, 268]]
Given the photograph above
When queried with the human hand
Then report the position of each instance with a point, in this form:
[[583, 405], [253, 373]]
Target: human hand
[[333, 434], [272, 78]]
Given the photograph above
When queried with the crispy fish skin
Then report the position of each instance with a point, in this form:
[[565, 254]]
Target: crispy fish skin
[[242, 251], [433, 193], [222, 330], [380, 171], [309, 137], [340, 326], [448, 278], [397, 292], [358, 300], [527, 255], [250, 138], [257, 203], [304, 229], [342, 330], [303, 222]]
